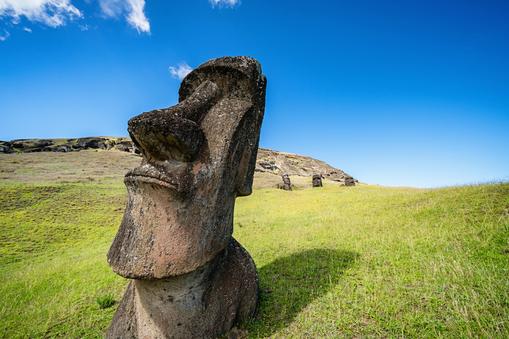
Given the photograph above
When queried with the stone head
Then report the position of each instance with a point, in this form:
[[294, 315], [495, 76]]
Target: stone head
[[317, 180], [198, 156]]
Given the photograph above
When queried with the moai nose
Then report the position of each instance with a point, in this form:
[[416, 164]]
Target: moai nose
[[174, 133]]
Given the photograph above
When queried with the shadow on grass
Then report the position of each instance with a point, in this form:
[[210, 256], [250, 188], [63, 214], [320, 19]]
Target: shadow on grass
[[290, 283]]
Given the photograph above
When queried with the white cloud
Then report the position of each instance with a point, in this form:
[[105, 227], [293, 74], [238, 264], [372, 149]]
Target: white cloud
[[53, 13], [4, 36], [112, 8], [180, 71], [137, 16], [133, 10], [224, 3], [56, 13]]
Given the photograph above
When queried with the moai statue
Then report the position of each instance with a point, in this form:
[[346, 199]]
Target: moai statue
[[349, 181], [317, 180], [190, 277], [287, 185]]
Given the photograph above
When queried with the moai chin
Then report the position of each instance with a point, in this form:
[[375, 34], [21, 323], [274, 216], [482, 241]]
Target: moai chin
[[190, 277], [317, 180]]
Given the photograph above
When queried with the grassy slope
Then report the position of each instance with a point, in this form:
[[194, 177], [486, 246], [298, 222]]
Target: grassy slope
[[333, 261]]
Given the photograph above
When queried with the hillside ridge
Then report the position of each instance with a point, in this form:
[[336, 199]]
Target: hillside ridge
[[268, 161]]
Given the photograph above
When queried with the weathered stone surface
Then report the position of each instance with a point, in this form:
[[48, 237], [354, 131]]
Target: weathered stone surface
[[176, 234], [287, 184], [317, 180], [63, 148], [31, 145], [91, 142], [5, 147], [67, 145], [124, 146], [201, 304]]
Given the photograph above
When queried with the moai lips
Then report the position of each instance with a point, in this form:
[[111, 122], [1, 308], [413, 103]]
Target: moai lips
[[198, 156]]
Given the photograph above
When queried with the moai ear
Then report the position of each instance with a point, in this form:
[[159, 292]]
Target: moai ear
[[244, 182], [247, 162]]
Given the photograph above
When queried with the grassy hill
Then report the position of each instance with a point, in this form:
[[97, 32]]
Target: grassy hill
[[333, 261]]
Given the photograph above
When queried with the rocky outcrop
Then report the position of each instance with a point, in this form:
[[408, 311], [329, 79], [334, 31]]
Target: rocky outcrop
[[5, 147], [287, 163], [67, 145], [31, 145]]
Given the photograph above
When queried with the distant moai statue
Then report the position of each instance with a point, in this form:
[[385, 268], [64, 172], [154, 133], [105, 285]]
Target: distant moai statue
[[349, 181], [287, 184], [317, 180], [190, 277]]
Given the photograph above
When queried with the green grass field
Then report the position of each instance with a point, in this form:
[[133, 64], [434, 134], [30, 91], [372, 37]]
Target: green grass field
[[333, 262]]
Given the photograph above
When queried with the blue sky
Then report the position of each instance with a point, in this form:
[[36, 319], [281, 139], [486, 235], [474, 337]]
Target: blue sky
[[407, 93]]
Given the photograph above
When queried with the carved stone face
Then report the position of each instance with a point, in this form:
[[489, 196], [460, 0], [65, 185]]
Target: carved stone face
[[317, 180], [197, 157]]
